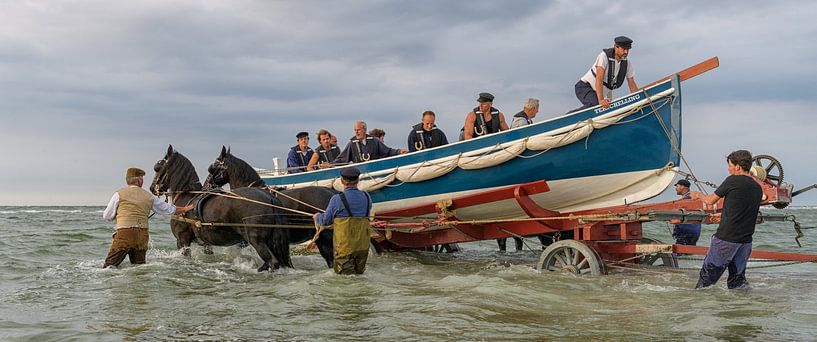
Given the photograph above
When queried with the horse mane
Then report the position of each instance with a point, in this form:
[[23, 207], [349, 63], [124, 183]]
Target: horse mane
[[242, 174], [184, 174]]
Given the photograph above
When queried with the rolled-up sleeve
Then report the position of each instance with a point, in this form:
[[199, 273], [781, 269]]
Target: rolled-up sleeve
[[110, 211], [162, 207]]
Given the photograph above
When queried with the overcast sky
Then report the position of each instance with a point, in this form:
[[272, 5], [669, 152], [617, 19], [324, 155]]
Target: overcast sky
[[89, 88]]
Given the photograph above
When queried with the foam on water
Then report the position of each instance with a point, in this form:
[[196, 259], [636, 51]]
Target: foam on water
[[55, 289]]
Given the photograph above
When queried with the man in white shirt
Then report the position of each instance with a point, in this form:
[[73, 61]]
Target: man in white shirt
[[130, 207], [607, 73]]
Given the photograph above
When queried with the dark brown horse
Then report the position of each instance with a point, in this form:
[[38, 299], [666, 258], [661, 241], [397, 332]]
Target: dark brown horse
[[177, 177], [230, 169]]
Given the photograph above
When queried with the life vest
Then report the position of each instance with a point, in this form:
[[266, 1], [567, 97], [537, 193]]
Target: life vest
[[611, 64], [363, 152], [522, 114], [486, 127], [434, 137], [327, 156], [351, 239]]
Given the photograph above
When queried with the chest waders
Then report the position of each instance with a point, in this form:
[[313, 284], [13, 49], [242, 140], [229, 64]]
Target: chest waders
[[350, 239]]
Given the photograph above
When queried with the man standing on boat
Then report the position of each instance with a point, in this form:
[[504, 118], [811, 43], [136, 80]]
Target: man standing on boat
[[363, 147], [130, 207], [348, 214], [299, 155], [607, 73], [484, 119], [325, 153], [685, 233], [732, 243], [525, 117], [426, 134]]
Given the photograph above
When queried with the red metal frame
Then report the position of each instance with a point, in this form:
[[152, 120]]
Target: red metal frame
[[612, 239]]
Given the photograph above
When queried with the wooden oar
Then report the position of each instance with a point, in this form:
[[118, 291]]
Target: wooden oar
[[692, 71]]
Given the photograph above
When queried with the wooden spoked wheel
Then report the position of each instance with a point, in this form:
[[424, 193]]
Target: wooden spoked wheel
[[571, 256]]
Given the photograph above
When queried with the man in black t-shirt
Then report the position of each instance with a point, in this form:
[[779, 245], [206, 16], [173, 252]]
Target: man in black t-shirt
[[732, 243]]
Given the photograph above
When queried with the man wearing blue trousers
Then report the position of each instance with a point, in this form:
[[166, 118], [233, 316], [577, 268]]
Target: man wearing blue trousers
[[732, 243]]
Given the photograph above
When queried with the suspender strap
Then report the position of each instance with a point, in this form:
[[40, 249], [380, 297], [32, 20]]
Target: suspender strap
[[346, 203]]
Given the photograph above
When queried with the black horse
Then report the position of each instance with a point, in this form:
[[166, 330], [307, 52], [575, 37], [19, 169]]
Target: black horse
[[230, 169], [177, 177]]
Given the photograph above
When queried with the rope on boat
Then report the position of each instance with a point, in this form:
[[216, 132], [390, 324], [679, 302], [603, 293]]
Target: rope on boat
[[674, 144]]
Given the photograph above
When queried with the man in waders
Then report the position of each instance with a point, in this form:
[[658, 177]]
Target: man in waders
[[131, 207], [732, 243], [348, 214]]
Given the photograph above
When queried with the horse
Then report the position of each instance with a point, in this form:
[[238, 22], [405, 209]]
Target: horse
[[176, 176], [228, 168]]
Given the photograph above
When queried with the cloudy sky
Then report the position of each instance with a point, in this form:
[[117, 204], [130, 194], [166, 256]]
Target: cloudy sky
[[89, 88]]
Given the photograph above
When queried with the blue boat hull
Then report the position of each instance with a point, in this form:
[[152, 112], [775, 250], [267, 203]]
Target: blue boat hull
[[640, 141]]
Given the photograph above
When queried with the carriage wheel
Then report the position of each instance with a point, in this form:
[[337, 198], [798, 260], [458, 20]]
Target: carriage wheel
[[658, 259], [570, 256]]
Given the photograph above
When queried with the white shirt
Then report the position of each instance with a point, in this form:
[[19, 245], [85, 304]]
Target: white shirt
[[159, 206], [601, 61]]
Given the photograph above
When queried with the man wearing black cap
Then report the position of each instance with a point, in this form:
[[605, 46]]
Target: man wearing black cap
[[299, 155], [685, 233], [484, 119], [348, 214], [130, 207], [607, 73]]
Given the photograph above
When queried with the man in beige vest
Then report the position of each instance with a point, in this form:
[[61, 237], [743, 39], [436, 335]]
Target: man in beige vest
[[131, 206]]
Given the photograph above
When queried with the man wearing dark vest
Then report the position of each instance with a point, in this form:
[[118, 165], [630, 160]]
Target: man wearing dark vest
[[525, 117], [426, 134], [607, 73], [325, 153], [299, 155], [131, 207], [363, 147], [484, 119], [348, 214], [732, 243]]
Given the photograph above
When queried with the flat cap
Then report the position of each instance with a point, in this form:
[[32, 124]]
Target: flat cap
[[350, 173], [134, 172], [624, 42], [485, 97], [683, 182], [301, 134]]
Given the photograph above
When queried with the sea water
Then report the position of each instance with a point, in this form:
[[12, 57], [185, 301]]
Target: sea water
[[52, 288]]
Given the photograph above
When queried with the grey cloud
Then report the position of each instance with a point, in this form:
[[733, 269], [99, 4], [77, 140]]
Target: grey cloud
[[109, 85]]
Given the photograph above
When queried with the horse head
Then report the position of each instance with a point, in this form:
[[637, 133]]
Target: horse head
[[228, 168], [174, 172]]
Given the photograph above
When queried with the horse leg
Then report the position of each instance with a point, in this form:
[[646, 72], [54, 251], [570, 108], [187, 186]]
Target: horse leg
[[259, 242], [208, 249], [184, 237], [279, 243], [326, 248]]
